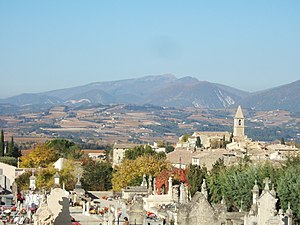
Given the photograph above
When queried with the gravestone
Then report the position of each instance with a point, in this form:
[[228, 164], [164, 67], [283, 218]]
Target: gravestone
[[2, 180], [58, 203], [14, 190], [136, 212], [43, 215], [78, 193], [32, 180]]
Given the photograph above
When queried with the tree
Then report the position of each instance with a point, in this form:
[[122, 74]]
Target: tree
[[23, 180], [96, 176], [9, 160], [161, 144], [169, 148], [214, 181], [137, 151], [45, 177], [39, 156], [282, 141], [2, 144], [131, 170], [13, 149], [185, 137], [235, 182], [196, 174], [198, 142], [288, 186], [224, 142], [65, 148], [68, 175]]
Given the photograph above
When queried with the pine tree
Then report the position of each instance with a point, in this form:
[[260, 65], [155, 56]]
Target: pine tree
[[2, 143]]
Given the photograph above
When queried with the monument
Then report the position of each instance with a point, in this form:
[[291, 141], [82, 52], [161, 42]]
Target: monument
[[58, 204]]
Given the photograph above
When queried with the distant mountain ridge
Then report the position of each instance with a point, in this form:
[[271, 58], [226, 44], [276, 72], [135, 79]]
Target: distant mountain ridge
[[165, 90]]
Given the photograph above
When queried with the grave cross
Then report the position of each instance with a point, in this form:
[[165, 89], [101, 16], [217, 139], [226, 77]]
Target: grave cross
[[267, 182]]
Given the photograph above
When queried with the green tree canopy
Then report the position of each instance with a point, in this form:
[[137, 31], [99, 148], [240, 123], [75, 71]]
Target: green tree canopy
[[169, 148], [236, 182], [65, 148], [196, 174], [96, 176], [13, 149], [23, 180], [9, 160], [185, 137], [141, 150]]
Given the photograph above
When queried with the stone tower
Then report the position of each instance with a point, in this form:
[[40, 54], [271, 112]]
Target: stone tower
[[239, 127]]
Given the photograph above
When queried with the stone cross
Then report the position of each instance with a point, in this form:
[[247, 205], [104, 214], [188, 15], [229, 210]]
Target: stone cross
[[87, 208], [182, 197], [144, 183], [83, 208], [204, 188], [170, 186], [150, 181], [267, 183], [154, 186]]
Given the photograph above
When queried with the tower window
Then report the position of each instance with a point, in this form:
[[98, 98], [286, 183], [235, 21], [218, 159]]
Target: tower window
[[240, 122]]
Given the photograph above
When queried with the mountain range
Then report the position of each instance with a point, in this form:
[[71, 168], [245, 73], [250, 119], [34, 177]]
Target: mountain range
[[165, 90]]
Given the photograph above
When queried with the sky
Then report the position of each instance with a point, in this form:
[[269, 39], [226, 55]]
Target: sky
[[46, 45]]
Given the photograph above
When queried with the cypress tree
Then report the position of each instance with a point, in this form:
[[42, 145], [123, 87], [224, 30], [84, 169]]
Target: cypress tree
[[282, 141], [2, 143], [13, 149], [231, 138], [223, 142], [198, 142]]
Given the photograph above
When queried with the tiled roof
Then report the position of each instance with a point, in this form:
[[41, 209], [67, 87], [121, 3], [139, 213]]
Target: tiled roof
[[125, 145]]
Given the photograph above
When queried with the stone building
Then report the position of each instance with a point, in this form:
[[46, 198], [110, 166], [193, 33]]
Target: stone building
[[120, 149], [239, 125], [215, 139], [119, 152], [209, 138]]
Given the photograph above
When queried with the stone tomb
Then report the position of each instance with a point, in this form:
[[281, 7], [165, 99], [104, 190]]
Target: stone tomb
[[136, 212], [56, 211], [263, 210]]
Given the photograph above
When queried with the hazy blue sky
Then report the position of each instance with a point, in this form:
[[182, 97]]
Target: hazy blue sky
[[46, 45]]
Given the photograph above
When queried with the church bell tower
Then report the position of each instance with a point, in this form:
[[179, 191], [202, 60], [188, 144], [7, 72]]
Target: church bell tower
[[239, 127]]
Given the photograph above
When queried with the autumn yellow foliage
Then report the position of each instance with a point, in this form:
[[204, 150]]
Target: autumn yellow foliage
[[39, 156], [131, 169]]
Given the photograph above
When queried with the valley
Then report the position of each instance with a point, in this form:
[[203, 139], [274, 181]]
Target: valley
[[107, 124]]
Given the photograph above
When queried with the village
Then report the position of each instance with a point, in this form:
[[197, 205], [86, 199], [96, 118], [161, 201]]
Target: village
[[149, 112], [157, 200]]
